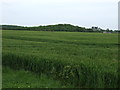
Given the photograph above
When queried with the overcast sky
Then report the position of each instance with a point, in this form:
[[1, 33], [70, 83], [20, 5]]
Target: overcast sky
[[86, 13]]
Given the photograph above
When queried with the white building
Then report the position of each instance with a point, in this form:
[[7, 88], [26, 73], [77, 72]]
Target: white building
[[96, 29]]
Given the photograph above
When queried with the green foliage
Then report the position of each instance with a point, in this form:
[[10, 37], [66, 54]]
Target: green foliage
[[86, 60], [58, 27]]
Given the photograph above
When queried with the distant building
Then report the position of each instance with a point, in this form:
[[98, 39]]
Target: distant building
[[96, 29], [107, 32]]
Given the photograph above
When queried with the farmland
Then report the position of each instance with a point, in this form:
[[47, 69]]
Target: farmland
[[85, 60], [13, 79]]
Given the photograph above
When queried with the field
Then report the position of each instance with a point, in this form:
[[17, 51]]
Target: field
[[85, 60], [13, 79]]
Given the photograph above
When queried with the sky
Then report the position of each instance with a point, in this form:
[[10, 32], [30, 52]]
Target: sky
[[85, 13], [119, 16]]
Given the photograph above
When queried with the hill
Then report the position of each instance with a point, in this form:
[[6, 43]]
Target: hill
[[57, 27]]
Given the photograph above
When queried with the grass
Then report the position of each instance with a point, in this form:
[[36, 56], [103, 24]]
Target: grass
[[86, 60], [26, 79]]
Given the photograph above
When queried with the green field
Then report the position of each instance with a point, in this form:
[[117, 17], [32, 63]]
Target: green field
[[85, 60], [26, 79]]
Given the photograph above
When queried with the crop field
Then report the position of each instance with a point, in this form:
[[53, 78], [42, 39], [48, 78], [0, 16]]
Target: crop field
[[84, 60], [13, 79]]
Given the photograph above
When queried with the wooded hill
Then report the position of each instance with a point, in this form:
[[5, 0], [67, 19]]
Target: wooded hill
[[57, 27]]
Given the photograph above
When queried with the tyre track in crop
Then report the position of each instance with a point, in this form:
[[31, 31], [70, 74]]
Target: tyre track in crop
[[64, 41]]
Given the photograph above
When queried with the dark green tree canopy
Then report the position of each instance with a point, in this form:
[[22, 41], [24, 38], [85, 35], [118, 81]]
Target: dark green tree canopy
[[57, 27]]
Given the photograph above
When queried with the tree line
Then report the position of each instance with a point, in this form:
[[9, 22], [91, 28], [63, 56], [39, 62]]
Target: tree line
[[57, 27]]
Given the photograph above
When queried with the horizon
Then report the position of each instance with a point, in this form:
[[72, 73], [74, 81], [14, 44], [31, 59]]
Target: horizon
[[102, 13], [53, 24], [58, 24]]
